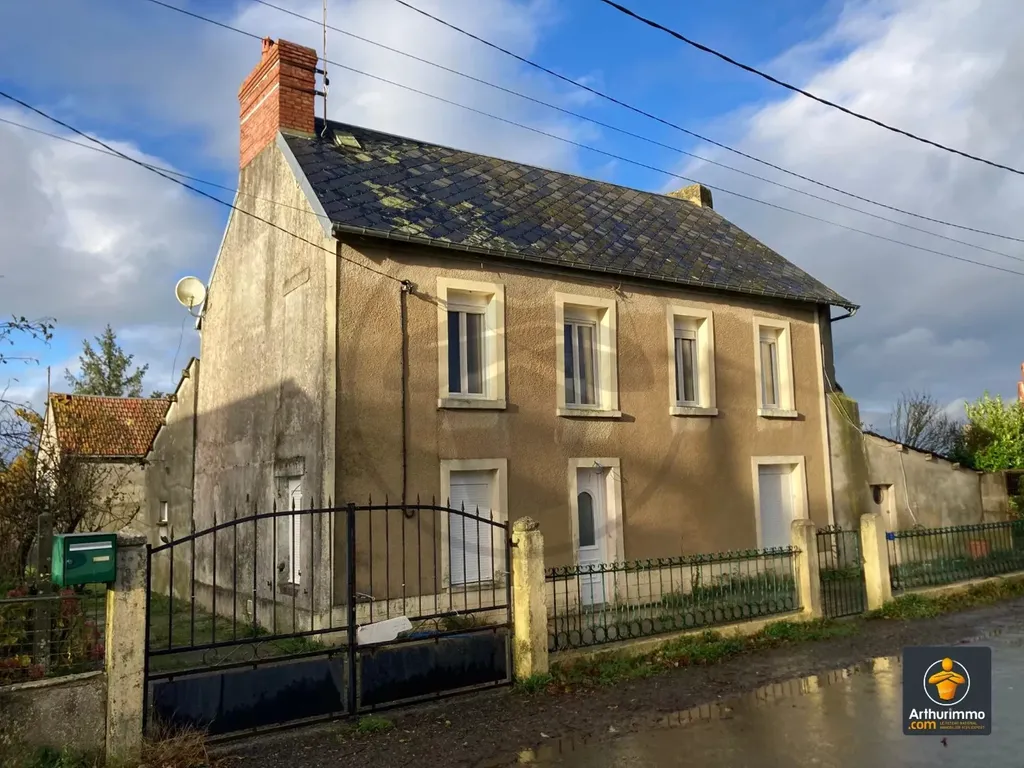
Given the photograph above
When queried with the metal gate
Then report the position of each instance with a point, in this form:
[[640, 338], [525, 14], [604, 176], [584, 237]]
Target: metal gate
[[293, 616], [841, 571]]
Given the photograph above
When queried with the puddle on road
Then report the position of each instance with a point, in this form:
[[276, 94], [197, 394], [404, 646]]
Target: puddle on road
[[766, 695]]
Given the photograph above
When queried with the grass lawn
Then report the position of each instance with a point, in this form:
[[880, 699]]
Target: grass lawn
[[173, 627]]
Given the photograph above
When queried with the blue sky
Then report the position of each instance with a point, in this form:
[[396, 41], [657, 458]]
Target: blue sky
[[91, 239]]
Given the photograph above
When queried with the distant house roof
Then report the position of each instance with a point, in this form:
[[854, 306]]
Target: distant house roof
[[380, 185], [122, 427]]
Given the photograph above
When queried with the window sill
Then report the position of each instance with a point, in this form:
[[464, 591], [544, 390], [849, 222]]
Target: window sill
[[588, 413], [470, 403], [777, 413], [691, 410]]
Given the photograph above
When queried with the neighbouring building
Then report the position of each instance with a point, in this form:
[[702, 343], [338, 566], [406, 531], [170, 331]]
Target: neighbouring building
[[405, 320], [107, 438], [909, 487]]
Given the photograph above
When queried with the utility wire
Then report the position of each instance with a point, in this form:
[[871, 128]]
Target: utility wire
[[802, 92], [631, 134], [675, 126], [623, 159], [150, 166], [169, 177]]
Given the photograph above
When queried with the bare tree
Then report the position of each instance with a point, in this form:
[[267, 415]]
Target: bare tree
[[919, 421]]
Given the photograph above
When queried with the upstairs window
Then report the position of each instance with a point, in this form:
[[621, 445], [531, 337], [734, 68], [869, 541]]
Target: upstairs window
[[471, 344], [773, 366], [467, 355], [691, 338], [586, 356], [581, 387]]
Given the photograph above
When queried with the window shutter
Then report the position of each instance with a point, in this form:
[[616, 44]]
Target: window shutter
[[471, 543]]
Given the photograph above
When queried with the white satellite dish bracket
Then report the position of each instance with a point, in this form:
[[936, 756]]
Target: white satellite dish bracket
[[190, 292]]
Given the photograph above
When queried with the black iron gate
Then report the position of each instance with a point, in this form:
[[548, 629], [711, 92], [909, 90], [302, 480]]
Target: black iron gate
[[292, 616], [841, 571]]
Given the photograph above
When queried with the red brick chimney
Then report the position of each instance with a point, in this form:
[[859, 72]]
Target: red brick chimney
[[278, 94]]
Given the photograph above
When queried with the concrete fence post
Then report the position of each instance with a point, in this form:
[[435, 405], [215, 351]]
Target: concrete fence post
[[529, 600], [126, 650], [803, 537], [876, 560]]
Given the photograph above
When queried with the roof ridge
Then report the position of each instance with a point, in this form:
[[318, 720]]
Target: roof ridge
[[337, 124], [409, 190], [79, 396]]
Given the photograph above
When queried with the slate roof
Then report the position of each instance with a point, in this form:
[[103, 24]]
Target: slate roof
[[89, 425], [381, 185]]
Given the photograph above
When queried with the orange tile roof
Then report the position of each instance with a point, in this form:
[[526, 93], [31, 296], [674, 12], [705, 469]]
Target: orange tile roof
[[89, 425]]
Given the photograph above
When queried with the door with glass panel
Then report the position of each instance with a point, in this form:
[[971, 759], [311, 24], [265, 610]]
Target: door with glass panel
[[592, 523]]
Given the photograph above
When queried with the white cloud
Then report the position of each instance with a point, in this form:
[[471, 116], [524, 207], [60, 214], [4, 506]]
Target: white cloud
[[947, 69], [91, 240]]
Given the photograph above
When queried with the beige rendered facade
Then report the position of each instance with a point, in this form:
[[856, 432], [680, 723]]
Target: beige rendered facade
[[302, 357], [630, 417]]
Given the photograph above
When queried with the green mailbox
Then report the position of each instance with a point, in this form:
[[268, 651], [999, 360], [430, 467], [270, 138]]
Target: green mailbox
[[84, 558]]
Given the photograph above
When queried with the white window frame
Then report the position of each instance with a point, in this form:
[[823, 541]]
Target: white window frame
[[785, 408], [489, 300], [701, 324], [798, 487], [499, 507], [164, 513], [292, 535], [576, 308]]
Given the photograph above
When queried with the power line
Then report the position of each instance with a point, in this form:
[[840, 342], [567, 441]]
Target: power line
[[150, 166], [688, 132], [630, 161], [169, 177], [631, 134], [802, 92]]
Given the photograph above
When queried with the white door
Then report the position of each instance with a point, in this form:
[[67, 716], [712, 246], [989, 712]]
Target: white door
[[471, 543], [775, 495], [591, 526], [294, 529]]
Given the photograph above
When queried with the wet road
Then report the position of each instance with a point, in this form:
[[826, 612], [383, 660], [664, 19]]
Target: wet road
[[847, 719]]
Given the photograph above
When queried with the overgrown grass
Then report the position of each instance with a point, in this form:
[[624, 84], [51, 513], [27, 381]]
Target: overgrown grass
[[172, 625], [915, 606], [701, 649], [534, 684], [371, 724], [179, 749]]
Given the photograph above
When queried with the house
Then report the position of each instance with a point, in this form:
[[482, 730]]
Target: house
[[107, 438], [392, 318]]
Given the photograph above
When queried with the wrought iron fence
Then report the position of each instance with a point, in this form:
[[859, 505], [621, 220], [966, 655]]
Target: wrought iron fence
[[391, 602], [841, 572], [596, 604], [924, 557], [50, 634]]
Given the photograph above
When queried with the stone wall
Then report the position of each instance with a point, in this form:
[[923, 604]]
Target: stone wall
[[61, 713], [907, 487]]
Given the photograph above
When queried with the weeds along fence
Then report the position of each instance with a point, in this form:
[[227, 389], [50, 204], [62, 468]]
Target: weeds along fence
[[48, 635], [609, 602], [926, 557]]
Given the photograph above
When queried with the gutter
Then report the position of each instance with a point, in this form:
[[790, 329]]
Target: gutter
[[852, 311], [339, 230]]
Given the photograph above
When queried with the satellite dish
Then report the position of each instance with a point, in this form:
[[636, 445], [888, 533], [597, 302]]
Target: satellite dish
[[190, 292]]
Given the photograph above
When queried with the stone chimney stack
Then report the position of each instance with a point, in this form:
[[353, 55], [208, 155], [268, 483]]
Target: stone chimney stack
[[697, 194], [279, 94]]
